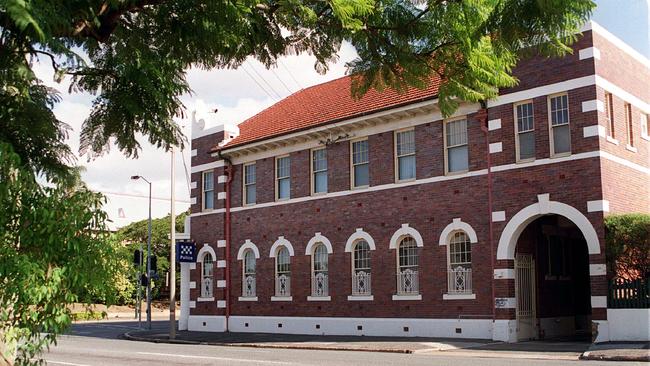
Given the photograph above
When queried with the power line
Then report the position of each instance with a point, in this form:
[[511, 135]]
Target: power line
[[290, 74], [258, 84], [250, 64], [133, 195], [281, 82]]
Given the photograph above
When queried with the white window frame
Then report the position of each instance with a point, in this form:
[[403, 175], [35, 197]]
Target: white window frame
[[466, 265], [518, 133], [396, 165], [399, 266], [367, 270], [245, 186], [313, 273], [313, 172], [629, 124], [277, 179], [207, 292], [551, 138], [352, 165], [248, 252], [204, 191], [645, 133], [278, 274], [609, 115], [446, 148]]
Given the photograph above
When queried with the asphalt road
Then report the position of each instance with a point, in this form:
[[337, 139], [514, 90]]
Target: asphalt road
[[99, 345]]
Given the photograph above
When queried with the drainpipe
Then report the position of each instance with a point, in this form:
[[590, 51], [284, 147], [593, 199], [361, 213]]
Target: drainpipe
[[483, 116], [226, 228]]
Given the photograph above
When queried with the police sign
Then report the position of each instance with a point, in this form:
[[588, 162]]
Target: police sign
[[185, 251]]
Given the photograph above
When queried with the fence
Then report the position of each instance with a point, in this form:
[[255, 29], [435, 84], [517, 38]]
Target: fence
[[629, 294]]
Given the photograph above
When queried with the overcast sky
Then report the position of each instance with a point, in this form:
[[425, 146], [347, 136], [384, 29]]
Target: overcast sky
[[239, 94]]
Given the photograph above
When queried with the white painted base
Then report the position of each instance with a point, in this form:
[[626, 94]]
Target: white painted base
[[600, 328], [629, 324], [206, 323], [504, 330], [390, 327]]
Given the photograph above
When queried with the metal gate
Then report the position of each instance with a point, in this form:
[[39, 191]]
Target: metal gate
[[525, 296]]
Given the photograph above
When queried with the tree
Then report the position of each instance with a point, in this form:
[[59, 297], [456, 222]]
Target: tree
[[52, 248], [627, 240], [132, 54]]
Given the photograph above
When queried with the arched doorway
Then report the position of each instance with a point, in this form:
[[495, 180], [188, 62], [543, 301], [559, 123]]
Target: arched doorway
[[552, 284]]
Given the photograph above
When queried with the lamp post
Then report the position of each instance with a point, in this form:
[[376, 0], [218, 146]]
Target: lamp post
[[136, 177]]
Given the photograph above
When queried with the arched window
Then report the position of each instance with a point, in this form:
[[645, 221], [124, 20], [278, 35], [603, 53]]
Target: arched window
[[207, 276], [248, 283], [361, 269], [283, 273], [459, 263], [407, 272], [319, 287]]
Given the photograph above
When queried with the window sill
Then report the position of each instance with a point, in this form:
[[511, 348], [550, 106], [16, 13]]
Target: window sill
[[205, 299], [407, 297], [282, 199], [398, 181], [359, 188], [631, 148], [248, 298], [281, 298], [457, 173], [459, 296], [524, 161], [645, 137], [318, 194], [560, 155], [612, 140], [249, 204], [361, 298], [319, 298]]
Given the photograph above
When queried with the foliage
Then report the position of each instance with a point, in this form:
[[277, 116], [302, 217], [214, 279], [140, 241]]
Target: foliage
[[132, 54], [52, 249], [89, 315], [628, 245]]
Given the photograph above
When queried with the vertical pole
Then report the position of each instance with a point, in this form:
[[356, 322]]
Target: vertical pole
[[138, 310], [149, 265], [172, 267]]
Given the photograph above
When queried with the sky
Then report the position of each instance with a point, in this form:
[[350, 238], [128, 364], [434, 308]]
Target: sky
[[239, 94]]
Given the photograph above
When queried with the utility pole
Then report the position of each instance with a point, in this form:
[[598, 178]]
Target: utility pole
[[136, 177], [172, 267]]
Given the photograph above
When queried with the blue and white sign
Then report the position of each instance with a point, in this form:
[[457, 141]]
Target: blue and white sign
[[185, 252]]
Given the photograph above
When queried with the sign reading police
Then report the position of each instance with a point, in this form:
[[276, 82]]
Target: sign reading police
[[185, 252]]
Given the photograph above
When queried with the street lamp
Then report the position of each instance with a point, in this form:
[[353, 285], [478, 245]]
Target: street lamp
[[136, 177]]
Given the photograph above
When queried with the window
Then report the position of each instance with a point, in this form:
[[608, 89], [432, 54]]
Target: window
[[407, 272], [609, 114], [361, 269], [208, 190], [283, 178], [283, 273], [460, 264], [629, 124], [319, 285], [360, 173], [559, 125], [248, 282], [644, 126], [456, 146], [319, 170], [525, 129], [207, 276], [250, 187], [405, 154]]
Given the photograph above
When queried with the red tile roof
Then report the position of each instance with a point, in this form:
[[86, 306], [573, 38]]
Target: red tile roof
[[320, 105]]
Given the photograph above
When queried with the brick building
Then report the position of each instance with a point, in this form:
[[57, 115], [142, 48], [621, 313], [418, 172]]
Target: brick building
[[326, 215]]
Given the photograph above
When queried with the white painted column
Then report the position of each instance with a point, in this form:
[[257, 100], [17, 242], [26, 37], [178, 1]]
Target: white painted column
[[185, 296]]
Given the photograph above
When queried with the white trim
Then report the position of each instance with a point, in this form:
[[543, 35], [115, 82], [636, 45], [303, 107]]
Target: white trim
[[247, 298], [589, 52], [193, 153], [598, 302], [204, 299], [319, 298], [281, 242], [192, 304], [443, 178], [318, 238], [594, 130], [206, 249], [539, 91], [248, 245], [213, 323], [630, 148], [192, 284], [593, 105], [407, 297], [197, 132], [459, 296], [207, 166], [193, 185], [597, 269], [498, 216], [517, 224], [361, 298], [495, 147], [359, 234], [221, 195], [622, 93], [222, 179], [457, 225], [221, 264], [505, 303], [598, 206], [405, 230], [504, 274], [221, 304], [192, 266], [221, 243], [192, 200], [612, 140], [221, 283], [595, 27], [281, 298], [494, 124]]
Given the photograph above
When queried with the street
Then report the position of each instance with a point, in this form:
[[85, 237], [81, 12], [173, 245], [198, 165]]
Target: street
[[99, 344]]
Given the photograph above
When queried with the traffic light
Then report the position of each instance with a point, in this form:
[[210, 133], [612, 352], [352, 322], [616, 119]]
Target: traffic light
[[144, 280], [154, 264], [137, 257]]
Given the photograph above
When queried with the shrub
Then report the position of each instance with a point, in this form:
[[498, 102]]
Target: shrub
[[628, 245]]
